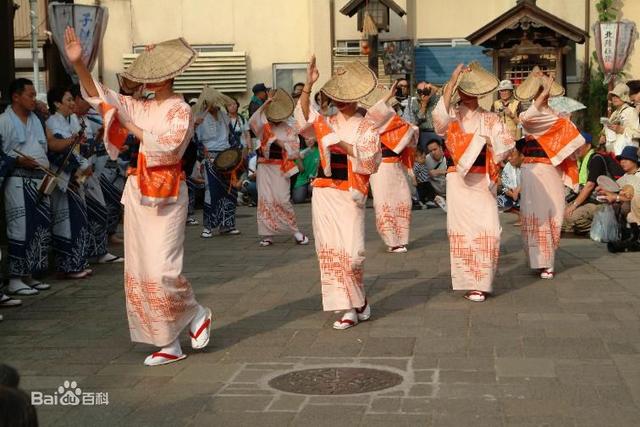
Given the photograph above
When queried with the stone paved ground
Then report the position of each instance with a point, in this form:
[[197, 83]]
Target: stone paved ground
[[561, 353]]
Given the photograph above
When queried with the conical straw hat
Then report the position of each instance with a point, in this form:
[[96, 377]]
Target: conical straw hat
[[280, 107], [530, 86], [161, 62], [376, 95], [350, 83], [477, 81], [210, 97]]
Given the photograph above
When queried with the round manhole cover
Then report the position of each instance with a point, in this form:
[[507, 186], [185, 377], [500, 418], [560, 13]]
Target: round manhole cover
[[330, 381]]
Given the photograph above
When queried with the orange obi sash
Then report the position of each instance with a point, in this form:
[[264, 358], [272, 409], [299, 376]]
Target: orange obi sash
[[355, 181], [287, 166], [458, 142], [542, 160], [159, 184]]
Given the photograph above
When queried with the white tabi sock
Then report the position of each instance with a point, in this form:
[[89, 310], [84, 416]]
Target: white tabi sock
[[298, 236], [198, 318], [173, 348], [16, 283]]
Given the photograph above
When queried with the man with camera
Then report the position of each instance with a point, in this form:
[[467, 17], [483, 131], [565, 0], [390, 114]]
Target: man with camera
[[420, 109]]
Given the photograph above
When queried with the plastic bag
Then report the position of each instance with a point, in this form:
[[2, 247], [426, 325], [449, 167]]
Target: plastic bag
[[604, 227]]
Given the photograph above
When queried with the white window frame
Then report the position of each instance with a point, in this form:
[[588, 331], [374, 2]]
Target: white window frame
[[283, 66]]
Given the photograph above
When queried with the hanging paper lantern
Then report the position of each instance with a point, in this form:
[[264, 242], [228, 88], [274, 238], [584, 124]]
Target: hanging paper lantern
[[614, 42]]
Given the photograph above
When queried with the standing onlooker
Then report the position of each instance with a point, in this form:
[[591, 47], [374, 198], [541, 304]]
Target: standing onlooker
[[259, 96], [508, 108], [308, 166], [296, 91], [238, 127], [420, 109]]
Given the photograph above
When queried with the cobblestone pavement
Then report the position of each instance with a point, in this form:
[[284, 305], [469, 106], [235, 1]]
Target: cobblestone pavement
[[559, 353]]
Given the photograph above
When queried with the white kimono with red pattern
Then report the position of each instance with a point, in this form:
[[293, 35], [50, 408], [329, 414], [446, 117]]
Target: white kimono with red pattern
[[160, 300], [338, 205], [542, 202], [389, 185], [473, 225], [275, 211]]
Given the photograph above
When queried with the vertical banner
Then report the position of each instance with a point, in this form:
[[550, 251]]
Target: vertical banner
[[614, 42], [89, 22]]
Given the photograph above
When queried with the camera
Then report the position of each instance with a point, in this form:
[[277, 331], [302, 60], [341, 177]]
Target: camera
[[424, 92]]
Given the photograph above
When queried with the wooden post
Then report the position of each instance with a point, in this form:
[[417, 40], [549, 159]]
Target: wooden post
[[373, 53], [8, 68]]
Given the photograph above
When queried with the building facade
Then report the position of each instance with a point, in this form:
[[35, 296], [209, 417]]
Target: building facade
[[243, 42]]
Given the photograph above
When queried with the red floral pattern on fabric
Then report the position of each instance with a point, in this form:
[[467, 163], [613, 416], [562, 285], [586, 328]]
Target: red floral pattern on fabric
[[543, 234], [338, 267], [149, 303], [393, 221], [277, 216], [478, 254]]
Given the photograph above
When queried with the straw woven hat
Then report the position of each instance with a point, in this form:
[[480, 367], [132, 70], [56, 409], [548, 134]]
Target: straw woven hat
[[210, 97], [161, 62], [530, 86], [350, 83], [379, 92], [280, 107]]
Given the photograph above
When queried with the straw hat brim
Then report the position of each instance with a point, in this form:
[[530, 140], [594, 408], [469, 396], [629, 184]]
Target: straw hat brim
[[528, 92], [161, 62], [477, 81], [528, 89], [379, 92], [281, 106], [350, 83], [211, 97]]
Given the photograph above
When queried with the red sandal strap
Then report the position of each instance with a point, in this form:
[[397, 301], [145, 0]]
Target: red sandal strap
[[165, 355], [202, 327], [347, 321]]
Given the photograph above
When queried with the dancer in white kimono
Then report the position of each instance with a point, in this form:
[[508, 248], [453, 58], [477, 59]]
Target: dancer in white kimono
[[160, 300], [477, 141], [350, 152]]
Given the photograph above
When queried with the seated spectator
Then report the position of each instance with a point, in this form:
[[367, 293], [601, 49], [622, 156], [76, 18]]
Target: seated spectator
[[510, 178], [430, 170], [579, 213], [308, 166], [629, 186]]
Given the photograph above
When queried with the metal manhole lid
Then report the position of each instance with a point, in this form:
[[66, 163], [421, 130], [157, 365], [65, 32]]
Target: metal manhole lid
[[336, 381]]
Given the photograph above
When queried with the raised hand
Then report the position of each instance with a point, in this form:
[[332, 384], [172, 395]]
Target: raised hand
[[72, 46], [390, 94], [312, 71]]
